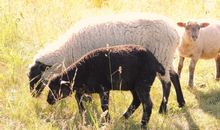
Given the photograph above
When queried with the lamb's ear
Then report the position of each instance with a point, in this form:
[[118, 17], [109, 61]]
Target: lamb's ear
[[181, 24], [43, 66], [202, 25]]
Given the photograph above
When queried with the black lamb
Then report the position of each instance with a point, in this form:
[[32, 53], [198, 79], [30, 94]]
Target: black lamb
[[124, 67]]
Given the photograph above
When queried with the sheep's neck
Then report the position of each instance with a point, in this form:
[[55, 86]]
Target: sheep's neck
[[70, 74], [186, 47], [75, 75], [186, 41]]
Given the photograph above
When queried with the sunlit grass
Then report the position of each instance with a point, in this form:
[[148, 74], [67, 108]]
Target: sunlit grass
[[27, 25]]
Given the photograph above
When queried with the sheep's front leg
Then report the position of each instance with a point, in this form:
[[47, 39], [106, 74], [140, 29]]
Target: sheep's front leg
[[166, 92], [191, 72], [104, 97], [143, 91], [217, 62], [79, 98], [176, 83], [134, 105], [180, 65]]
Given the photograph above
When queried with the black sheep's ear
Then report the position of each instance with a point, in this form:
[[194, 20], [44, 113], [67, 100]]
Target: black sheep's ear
[[42, 66]]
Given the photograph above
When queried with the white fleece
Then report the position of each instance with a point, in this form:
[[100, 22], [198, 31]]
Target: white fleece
[[156, 33]]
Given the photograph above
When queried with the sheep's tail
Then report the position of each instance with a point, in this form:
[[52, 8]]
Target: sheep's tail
[[161, 69]]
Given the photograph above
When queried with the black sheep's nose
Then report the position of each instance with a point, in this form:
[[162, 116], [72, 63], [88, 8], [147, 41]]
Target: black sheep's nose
[[51, 101]]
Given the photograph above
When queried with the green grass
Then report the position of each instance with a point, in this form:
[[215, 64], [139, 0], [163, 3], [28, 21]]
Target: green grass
[[27, 25]]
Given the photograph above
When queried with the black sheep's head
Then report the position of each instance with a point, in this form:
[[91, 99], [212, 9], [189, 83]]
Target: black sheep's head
[[36, 82], [59, 89]]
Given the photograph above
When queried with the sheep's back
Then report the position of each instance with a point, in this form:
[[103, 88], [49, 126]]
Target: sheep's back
[[208, 42], [126, 65], [157, 35]]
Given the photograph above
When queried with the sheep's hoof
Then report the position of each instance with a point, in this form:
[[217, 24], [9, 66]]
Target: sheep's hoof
[[217, 79], [182, 104], [143, 127], [163, 109], [202, 85], [191, 85]]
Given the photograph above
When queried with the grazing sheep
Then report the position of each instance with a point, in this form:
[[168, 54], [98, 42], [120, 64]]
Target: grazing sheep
[[153, 32], [126, 67], [199, 41]]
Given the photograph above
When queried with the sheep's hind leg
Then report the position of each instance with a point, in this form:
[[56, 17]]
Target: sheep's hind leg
[[176, 83], [180, 65], [104, 97], [134, 105], [166, 92], [143, 92], [217, 62]]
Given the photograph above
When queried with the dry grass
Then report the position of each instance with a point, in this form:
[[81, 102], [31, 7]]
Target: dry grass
[[27, 25]]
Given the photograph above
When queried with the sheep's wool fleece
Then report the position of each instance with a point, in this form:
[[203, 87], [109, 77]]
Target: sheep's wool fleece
[[156, 33]]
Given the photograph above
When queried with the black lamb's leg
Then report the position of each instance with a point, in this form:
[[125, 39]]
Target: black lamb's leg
[[143, 91], [133, 106], [104, 97], [79, 98], [166, 92], [176, 83]]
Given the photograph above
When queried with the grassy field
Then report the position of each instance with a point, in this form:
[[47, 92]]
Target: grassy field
[[27, 25]]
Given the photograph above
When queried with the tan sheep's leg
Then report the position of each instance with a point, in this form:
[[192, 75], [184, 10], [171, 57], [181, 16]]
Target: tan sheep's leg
[[217, 62], [180, 65], [191, 72]]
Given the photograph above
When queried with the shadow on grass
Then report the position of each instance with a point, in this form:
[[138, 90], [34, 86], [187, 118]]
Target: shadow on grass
[[209, 101], [191, 122]]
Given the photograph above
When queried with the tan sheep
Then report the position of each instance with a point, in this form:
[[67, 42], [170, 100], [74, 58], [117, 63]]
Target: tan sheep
[[201, 40]]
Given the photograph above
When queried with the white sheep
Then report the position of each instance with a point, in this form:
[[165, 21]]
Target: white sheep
[[201, 40], [153, 32]]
